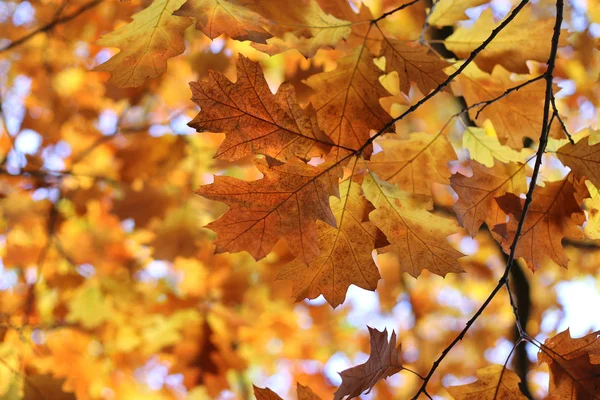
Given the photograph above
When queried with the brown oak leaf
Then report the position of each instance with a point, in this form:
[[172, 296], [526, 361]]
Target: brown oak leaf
[[477, 194], [346, 252], [515, 116], [347, 101], [574, 366], [555, 213], [255, 120], [285, 204], [413, 63], [384, 360], [583, 159]]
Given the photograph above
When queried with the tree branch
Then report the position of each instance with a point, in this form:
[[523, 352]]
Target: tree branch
[[49, 26], [548, 76]]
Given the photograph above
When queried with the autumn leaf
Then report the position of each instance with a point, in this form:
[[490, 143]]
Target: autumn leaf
[[414, 164], [254, 120], [477, 194], [574, 365], [345, 256], [592, 208], [418, 237], [485, 148], [413, 63], [306, 27], [285, 204], [265, 394], [237, 19], [303, 392], [555, 213], [146, 43], [583, 159], [448, 12], [493, 382], [515, 116], [384, 360], [347, 101], [516, 44]]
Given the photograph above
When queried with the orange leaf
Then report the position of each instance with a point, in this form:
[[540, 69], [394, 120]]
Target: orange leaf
[[346, 252], [555, 213], [233, 18], [414, 63], [493, 382], [477, 194], [515, 116], [347, 101], [413, 164], [285, 204], [583, 159], [255, 120]]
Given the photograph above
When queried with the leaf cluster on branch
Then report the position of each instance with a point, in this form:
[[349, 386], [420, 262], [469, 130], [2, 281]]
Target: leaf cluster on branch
[[332, 143]]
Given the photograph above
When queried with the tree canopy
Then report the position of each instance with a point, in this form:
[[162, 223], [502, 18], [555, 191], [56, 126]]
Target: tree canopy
[[314, 199]]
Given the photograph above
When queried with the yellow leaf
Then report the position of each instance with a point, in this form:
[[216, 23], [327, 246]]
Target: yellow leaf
[[486, 148], [88, 307], [512, 47], [413, 164], [417, 236], [448, 12], [146, 43], [493, 382]]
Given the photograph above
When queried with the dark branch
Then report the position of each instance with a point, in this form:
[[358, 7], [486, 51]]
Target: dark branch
[[49, 26], [548, 76]]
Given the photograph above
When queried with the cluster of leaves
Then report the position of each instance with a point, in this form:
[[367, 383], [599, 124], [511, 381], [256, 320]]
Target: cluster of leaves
[[347, 142]]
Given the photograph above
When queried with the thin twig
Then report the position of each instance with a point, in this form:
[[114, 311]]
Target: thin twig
[[451, 77], [395, 10], [506, 93], [49, 26], [548, 76], [560, 120]]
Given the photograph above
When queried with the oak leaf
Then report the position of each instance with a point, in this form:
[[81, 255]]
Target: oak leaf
[[574, 365], [516, 115], [493, 382], [384, 360], [346, 252], [254, 120], [237, 19], [413, 63], [285, 204], [146, 43], [347, 101], [555, 213], [477, 194], [583, 159], [415, 163], [303, 392], [512, 47], [417, 236], [485, 147], [448, 12]]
